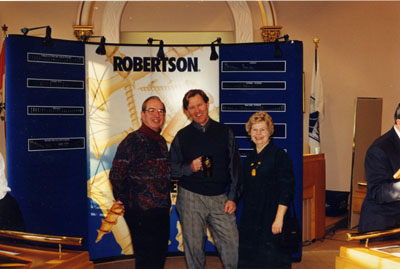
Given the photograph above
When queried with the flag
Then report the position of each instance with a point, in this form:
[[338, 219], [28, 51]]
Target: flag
[[2, 65], [2, 99], [316, 107]]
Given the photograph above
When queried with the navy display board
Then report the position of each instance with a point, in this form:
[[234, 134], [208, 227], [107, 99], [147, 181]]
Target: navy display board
[[46, 134], [252, 78]]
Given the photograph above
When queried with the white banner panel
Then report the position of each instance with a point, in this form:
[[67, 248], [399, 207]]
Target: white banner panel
[[117, 85]]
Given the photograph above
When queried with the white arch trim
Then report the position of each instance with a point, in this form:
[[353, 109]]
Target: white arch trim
[[110, 28], [269, 8], [111, 22], [243, 22]]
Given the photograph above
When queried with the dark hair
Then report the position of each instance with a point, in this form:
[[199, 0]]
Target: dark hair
[[191, 93], [397, 113], [151, 98]]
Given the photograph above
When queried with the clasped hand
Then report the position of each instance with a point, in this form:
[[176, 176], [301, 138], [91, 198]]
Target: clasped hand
[[196, 165]]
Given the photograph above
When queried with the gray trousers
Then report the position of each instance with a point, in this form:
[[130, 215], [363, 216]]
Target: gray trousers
[[195, 212]]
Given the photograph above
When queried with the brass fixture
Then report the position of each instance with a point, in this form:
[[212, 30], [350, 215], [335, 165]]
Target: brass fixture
[[369, 235], [83, 32], [270, 33]]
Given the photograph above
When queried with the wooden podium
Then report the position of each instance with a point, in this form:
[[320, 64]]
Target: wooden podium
[[366, 258], [26, 256], [20, 252], [314, 192]]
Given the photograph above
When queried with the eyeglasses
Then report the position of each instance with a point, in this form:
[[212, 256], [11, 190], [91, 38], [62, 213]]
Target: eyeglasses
[[154, 111]]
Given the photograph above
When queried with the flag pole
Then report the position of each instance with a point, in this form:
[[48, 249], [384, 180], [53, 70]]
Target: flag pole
[[316, 43], [315, 104], [4, 28]]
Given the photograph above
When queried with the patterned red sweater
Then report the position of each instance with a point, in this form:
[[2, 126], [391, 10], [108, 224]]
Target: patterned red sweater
[[140, 171]]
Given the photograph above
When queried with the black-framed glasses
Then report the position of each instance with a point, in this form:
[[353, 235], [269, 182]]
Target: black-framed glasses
[[153, 111]]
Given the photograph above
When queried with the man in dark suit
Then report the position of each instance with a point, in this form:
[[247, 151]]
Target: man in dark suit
[[381, 206], [10, 214]]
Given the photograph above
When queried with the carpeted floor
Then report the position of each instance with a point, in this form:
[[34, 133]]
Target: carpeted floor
[[319, 254]]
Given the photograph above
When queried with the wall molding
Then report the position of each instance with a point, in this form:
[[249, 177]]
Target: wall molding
[[113, 11]]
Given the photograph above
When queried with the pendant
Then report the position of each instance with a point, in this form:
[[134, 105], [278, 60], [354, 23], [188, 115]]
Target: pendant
[[253, 172]]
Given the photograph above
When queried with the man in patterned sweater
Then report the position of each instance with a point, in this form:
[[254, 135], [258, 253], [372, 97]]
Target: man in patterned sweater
[[140, 179]]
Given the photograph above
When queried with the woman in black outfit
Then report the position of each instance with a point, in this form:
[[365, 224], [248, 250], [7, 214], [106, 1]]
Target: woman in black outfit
[[268, 191]]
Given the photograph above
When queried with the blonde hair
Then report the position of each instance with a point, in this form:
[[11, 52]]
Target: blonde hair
[[257, 117]]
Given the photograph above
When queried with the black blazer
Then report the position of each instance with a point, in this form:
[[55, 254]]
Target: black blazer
[[10, 214], [381, 206]]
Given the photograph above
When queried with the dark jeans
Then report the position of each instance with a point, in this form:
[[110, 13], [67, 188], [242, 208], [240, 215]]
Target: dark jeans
[[150, 234]]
